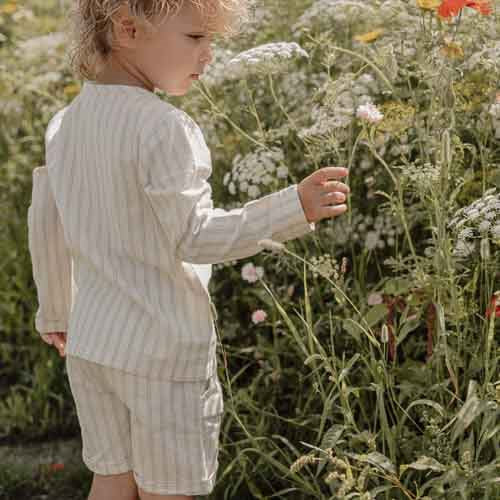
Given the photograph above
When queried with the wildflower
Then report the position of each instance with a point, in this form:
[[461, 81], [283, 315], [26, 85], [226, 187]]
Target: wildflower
[[272, 245], [369, 37], [259, 316], [71, 89], [428, 4], [323, 12], [251, 273], [452, 49], [449, 8], [57, 466], [494, 307], [41, 46], [8, 8], [374, 299], [369, 113], [264, 59], [254, 169]]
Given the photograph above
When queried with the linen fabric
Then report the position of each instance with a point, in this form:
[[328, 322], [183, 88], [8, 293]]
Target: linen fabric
[[122, 229]]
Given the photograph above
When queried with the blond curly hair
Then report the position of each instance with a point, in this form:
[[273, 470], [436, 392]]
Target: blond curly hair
[[90, 25]]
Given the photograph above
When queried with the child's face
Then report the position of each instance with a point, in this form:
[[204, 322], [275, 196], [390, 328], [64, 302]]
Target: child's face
[[167, 58]]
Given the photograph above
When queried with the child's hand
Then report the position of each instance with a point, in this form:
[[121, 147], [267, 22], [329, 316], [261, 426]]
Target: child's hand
[[57, 339], [318, 192]]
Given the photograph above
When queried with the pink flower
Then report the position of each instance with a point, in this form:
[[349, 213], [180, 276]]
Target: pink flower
[[369, 113], [259, 316], [251, 273], [374, 299]]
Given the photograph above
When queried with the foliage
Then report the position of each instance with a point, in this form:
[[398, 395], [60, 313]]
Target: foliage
[[375, 374]]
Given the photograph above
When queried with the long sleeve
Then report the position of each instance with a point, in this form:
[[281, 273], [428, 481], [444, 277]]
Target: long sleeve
[[175, 184], [50, 257]]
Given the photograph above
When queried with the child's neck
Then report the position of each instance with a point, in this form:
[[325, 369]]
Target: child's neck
[[115, 74]]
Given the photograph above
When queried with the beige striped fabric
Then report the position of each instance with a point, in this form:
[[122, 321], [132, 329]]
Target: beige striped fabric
[[166, 432], [122, 225]]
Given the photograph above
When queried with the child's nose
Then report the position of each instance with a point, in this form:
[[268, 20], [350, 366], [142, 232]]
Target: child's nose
[[207, 55]]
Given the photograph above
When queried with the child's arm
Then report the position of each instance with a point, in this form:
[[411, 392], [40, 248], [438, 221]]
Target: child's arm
[[182, 200], [50, 257]]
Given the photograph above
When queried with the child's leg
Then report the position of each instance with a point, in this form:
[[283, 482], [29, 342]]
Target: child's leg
[[114, 487], [149, 496]]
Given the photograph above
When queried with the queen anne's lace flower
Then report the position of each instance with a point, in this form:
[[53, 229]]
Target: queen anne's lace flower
[[41, 46], [265, 59], [322, 12], [479, 220], [260, 168], [216, 71]]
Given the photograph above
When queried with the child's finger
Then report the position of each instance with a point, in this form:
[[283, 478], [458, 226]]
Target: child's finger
[[48, 338]]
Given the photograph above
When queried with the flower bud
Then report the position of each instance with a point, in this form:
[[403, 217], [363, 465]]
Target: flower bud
[[384, 334]]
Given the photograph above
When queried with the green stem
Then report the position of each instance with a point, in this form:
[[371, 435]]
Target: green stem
[[400, 200], [236, 127], [290, 119]]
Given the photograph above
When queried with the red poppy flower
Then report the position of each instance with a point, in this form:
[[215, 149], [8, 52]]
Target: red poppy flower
[[494, 308], [56, 467], [450, 8]]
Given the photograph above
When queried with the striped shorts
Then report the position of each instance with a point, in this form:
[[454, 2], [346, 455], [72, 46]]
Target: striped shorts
[[166, 432]]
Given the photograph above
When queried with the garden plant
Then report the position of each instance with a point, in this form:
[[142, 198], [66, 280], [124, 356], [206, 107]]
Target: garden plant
[[361, 361]]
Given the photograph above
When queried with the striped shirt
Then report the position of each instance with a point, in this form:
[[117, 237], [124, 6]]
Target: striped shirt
[[122, 231]]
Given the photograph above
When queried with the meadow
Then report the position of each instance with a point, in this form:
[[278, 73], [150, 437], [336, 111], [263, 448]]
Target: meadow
[[361, 361]]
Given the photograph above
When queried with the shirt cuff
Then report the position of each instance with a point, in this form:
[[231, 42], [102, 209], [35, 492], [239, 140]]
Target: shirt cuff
[[289, 220]]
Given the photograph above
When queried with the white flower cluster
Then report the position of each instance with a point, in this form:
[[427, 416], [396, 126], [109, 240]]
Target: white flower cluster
[[338, 103], [372, 233], [421, 177], [23, 14], [260, 17], [215, 73], [369, 113], [298, 86], [322, 12], [40, 46], [261, 167], [269, 58], [478, 221], [377, 232], [327, 266], [487, 58], [325, 120]]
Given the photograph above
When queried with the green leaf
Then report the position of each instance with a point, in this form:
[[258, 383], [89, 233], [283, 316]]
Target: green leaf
[[397, 286], [472, 408], [408, 327], [348, 367], [424, 463], [376, 459], [375, 314], [352, 329]]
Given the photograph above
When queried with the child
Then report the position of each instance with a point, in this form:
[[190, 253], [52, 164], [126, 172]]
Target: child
[[120, 226]]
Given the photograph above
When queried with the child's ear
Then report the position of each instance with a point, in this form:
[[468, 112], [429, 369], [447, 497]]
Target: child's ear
[[124, 27]]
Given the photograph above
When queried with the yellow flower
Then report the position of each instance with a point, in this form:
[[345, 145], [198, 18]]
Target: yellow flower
[[428, 4], [452, 50], [71, 89], [369, 37], [8, 8]]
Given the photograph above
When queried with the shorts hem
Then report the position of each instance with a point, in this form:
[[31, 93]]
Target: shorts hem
[[106, 469], [202, 488]]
